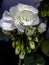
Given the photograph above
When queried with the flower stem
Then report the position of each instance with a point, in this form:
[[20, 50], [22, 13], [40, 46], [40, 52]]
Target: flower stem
[[19, 63]]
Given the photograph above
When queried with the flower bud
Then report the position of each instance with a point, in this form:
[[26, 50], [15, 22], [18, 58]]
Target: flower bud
[[29, 38], [30, 31], [36, 39], [22, 46], [22, 54], [28, 49], [17, 50], [13, 44], [32, 44], [17, 42], [42, 28]]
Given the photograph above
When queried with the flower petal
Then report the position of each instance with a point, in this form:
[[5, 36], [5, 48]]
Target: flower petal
[[18, 26], [36, 22], [13, 10], [6, 16], [22, 7], [7, 26]]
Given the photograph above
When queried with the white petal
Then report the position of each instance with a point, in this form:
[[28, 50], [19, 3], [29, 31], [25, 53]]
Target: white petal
[[7, 26], [27, 7], [6, 16], [13, 10], [35, 22], [18, 26]]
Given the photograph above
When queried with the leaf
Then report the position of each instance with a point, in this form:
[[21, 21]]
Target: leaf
[[34, 59], [45, 46]]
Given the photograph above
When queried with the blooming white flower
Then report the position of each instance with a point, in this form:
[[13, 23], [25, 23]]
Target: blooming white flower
[[19, 17], [42, 28]]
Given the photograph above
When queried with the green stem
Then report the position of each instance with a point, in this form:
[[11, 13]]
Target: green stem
[[19, 63], [39, 43]]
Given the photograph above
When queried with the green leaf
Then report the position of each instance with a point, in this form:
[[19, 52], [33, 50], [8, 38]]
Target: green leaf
[[34, 59], [45, 46]]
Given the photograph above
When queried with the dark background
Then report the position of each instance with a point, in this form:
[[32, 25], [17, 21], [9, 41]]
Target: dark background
[[7, 53], [6, 4], [8, 57]]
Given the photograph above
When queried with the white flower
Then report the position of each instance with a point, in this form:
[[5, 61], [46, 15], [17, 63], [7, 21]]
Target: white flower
[[19, 17], [42, 28]]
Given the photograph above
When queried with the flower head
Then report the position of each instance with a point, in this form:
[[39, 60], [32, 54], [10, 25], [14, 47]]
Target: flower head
[[19, 17]]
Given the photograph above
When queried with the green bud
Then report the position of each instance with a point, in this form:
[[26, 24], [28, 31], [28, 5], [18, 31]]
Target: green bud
[[13, 44], [30, 31], [22, 54], [32, 44], [17, 42], [17, 50], [28, 49], [22, 45], [36, 39], [29, 38]]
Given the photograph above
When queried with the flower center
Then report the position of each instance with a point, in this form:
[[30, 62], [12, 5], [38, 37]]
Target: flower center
[[25, 17]]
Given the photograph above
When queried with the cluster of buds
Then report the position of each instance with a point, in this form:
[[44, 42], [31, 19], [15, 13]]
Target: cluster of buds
[[21, 47]]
